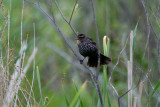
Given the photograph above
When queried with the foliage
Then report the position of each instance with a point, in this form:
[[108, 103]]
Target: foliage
[[57, 68]]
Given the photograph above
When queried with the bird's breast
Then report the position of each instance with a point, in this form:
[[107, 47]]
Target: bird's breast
[[78, 41]]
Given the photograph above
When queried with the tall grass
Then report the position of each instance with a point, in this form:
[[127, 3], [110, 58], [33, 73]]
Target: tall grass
[[130, 71], [106, 46], [16, 61], [11, 79], [39, 85], [75, 99]]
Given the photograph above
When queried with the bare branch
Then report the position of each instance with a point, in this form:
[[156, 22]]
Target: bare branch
[[66, 56], [110, 77], [73, 11], [97, 37], [132, 88], [74, 31], [57, 27], [148, 26]]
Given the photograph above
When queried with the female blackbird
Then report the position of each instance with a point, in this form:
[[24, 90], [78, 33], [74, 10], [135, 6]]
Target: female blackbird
[[87, 48]]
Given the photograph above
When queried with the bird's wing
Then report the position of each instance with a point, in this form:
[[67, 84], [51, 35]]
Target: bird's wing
[[91, 41], [92, 45]]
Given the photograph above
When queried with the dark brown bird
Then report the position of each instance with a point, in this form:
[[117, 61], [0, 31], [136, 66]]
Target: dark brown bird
[[87, 48]]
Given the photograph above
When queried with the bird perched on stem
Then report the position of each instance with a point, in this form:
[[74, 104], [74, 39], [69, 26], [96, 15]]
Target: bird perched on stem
[[87, 48]]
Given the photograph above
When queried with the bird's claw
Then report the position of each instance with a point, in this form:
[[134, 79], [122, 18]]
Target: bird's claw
[[81, 61]]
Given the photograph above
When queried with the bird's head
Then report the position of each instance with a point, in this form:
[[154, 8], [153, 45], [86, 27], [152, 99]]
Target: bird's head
[[80, 37]]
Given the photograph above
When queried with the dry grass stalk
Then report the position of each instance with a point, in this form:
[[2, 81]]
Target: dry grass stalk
[[135, 102], [1, 78], [12, 85], [1, 83], [129, 68], [3, 71], [15, 79], [140, 93]]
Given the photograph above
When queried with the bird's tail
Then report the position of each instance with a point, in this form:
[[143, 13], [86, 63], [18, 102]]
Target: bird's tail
[[93, 60]]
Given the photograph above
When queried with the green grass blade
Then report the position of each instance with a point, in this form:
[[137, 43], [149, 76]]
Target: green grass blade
[[79, 101], [153, 92], [39, 84], [157, 104], [67, 102], [98, 104], [106, 45], [155, 89], [78, 94], [66, 99]]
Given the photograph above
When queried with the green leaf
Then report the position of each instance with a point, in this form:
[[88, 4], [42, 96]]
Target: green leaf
[[78, 94], [79, 101], [66, 99], [98, 104], [157, 104], [153, 92], [155, 89], [67, 102], [39, 84]]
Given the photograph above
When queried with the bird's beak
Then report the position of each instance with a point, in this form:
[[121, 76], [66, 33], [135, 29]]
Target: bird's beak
[[76, 38]]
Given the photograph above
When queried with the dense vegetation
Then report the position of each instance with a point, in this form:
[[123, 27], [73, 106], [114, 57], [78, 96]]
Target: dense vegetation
[[54, 75]]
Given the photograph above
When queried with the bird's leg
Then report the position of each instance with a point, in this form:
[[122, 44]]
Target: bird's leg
[[81, 61]]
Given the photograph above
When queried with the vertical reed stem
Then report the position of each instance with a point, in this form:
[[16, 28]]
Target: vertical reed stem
[[129, 67]]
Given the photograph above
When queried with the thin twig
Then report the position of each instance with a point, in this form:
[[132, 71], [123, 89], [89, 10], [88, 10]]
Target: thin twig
[[14, 83], [110, 77], [66, 56], [26, 92], [74, 31], [158, 55], [73, 11], [158, 38], [55, 25], [148, 27], [132, 88], [98, 47], [7, 76]]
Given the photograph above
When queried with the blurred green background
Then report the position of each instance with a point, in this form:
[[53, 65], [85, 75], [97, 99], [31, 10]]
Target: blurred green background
[[59, 77]]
